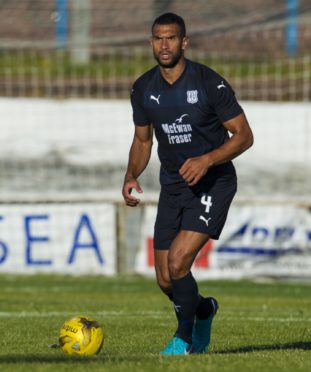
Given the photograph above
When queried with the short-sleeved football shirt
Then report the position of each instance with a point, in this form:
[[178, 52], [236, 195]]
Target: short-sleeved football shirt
[[187, 115]]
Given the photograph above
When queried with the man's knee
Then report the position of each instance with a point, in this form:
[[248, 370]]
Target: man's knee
[[162, 273], [177, 268], [165, 285], [163, 280]]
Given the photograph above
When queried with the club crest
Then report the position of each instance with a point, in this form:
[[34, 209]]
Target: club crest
[[192, 96]]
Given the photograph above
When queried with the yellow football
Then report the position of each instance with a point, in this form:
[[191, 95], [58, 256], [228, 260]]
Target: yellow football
[[81, 335]]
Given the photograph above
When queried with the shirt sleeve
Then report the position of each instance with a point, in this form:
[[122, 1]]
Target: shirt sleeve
[[224, 101], [140, 116]]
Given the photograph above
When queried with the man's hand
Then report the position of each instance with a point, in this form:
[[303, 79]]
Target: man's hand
[[194, 169], [128, 185]]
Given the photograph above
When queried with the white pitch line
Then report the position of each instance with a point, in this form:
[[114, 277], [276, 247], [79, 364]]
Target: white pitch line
[[37, 314], [262, 319], [150, 314]]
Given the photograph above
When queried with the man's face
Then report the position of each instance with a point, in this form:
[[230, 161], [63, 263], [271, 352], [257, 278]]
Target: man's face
[[167, 44]]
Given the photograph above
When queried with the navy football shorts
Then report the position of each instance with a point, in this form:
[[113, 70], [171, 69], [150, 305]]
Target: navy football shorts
[[202, 208]]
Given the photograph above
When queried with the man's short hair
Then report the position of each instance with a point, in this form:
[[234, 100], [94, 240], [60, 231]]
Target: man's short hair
[[168, 19]]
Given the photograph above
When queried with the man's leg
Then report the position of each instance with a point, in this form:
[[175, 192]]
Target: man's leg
[[162, 273], [177, 261], [176, 281], [196, 312], [186, 298], [201, 334]]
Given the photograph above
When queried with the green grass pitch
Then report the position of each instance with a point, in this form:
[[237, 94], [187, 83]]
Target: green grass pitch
[[259, 327]]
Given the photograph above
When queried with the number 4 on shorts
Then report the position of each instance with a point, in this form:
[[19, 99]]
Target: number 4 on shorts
[[207, 201]]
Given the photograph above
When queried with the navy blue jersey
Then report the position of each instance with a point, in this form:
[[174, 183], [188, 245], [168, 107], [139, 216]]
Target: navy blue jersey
[[187, 115]]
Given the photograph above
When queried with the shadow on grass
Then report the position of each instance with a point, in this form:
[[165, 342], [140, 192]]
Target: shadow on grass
[[58, 359], [252, 348], [50, 359]]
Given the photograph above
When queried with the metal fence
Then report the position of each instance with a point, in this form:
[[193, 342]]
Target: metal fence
[[74, 48]]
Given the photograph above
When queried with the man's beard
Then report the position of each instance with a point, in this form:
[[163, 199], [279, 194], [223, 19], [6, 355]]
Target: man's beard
[[176, 58]]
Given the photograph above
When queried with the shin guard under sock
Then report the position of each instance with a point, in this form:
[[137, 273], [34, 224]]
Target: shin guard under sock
[[186, 300]]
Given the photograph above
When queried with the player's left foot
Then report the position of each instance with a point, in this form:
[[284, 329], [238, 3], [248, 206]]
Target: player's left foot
[[201, 335], [177, 346]]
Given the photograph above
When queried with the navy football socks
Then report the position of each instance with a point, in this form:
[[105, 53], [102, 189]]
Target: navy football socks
[[186, 300], [204, 309]]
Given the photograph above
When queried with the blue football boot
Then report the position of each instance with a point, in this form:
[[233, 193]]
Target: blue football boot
[[177, 346], [201, 334]]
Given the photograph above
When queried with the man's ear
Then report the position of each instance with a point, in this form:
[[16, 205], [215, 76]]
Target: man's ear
[[185, 42]]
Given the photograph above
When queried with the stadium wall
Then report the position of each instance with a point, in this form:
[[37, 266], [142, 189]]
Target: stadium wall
[[86, 231], [93, 131]]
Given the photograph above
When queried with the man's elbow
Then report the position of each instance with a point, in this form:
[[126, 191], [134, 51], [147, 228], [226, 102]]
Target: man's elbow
[[247, 138], [249, 141]]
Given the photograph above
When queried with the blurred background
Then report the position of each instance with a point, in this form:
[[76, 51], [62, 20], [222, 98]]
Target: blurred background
[[95, 48], [66, 71]]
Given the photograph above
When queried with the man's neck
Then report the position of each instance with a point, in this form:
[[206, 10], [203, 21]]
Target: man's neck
[[172, 74]]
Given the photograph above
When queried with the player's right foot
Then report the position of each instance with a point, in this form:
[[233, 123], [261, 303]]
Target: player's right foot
[[201, 335], [177, 346]]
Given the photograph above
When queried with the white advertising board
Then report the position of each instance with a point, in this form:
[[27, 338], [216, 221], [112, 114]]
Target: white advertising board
[[63, 238], [257, 241], [88, 131]]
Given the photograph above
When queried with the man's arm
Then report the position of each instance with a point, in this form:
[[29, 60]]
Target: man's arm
[[242, 138], [138, 159]]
